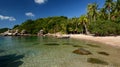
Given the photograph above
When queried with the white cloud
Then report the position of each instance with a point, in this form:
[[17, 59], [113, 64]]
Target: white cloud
[[29, 14], [7, 18], [40, 1]]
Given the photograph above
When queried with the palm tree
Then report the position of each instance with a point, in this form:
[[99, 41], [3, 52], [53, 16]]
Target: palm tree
[[75, 22], [89, 12], [117, 9], [102, 13], [92, 11], [84, 21], [95, 7], [108, 6]]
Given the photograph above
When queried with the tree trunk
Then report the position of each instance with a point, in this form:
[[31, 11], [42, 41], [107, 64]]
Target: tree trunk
[[86, 30], [109, 15], [94, 18]]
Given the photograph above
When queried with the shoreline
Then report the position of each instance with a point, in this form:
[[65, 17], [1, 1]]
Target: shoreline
[[108, 40]]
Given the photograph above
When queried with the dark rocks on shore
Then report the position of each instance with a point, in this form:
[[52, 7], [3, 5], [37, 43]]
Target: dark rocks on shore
[[103, 53], [82, 51], [96, 61]]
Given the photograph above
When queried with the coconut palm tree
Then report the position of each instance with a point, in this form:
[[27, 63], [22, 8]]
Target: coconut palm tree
[[84, 21], [92, 11], [75, 22], [95, 12], [115, 11], [108, 6], [89, 12], [117, 8], [102, 13]]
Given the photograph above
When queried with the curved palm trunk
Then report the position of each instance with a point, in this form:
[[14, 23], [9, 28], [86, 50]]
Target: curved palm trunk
[[86, 30]]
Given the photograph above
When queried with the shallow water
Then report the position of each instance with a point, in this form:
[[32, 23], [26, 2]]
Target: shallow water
[[52, 52]]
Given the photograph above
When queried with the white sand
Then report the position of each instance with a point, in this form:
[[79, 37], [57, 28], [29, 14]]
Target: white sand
[[110, 40]]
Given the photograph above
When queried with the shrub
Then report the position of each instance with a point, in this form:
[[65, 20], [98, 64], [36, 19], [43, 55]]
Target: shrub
[[104, 28]]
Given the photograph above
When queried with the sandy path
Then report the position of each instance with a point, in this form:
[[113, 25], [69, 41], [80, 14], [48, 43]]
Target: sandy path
[[110, 40]]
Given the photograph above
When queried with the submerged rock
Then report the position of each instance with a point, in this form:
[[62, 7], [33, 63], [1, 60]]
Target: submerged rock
[[67, 44], [96, 61], [52, 44], [2, 51], [103, 53], [36, 44], [82, 51], [77, 46], [91, 45]]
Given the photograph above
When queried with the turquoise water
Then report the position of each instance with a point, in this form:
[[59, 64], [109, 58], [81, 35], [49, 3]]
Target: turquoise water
[[53, 52]]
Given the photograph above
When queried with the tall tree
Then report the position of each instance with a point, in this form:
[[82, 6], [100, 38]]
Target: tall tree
[[92, 11], [84, 21], [117, 8], [102, 13], [108, 6], [89, 12]]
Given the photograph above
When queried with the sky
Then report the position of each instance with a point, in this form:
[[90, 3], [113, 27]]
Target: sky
[[15, 12]]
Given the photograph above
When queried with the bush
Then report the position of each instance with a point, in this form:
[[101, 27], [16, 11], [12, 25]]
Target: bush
[[104, 28]]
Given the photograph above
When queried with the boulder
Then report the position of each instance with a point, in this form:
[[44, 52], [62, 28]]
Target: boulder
[[82, 51]]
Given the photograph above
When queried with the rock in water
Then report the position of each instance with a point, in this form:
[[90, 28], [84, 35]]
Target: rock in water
[[96, 61], [77, 46], [104, 53], [52, 44], [82, 51]]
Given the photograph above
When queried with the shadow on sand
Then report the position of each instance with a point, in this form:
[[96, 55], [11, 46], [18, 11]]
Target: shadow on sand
[[12, 60]]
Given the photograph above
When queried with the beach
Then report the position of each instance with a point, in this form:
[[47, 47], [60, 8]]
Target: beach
[[109, 40]]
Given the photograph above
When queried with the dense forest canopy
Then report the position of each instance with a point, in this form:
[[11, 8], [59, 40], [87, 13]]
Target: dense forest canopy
[[99, 21]]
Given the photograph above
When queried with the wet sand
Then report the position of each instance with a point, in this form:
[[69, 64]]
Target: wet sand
[[110, 40]]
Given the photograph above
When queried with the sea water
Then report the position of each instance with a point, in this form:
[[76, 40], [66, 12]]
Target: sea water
[[52, 52]]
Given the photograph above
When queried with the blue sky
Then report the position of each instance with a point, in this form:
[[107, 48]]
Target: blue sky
[[14, 12]]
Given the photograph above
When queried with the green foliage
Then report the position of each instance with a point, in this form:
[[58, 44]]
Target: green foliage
[[101, 22], [104, 27], [2, 30], [50, 24], [28, 26], [73, 26], [15, 26]]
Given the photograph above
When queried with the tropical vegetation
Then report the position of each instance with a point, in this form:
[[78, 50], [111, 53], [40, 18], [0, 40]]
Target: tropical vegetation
[[98, 21]]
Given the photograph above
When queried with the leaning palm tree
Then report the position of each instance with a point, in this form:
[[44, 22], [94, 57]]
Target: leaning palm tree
[[84, 21]]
